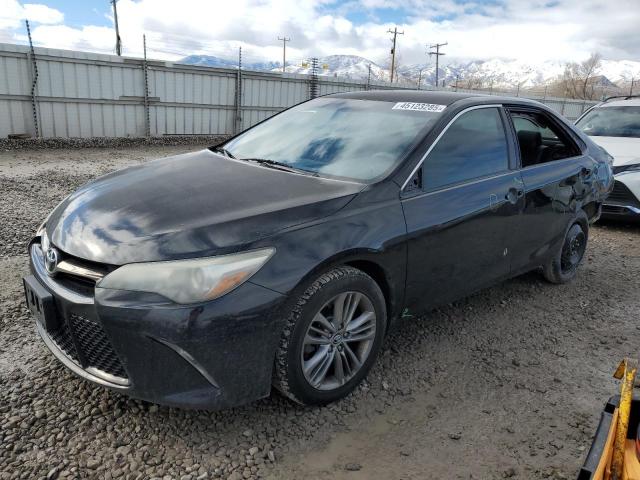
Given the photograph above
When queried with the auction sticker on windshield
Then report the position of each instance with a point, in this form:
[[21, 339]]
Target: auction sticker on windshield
[[420, 107]]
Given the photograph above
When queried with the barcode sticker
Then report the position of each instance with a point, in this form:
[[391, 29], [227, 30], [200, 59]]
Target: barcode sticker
[[419, 107]]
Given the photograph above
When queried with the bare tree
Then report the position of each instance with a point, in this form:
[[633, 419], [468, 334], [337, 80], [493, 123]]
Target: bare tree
[[476, 81], [579, 79]]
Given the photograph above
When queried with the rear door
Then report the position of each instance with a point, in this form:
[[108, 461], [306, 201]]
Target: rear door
[[555, 177], [458, 207]]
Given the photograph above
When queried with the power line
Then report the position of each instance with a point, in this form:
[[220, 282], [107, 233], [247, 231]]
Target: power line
[[115, 21], [284, 51], [437, 53], [393, 50]]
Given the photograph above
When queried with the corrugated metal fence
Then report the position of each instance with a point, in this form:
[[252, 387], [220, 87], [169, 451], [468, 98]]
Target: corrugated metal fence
[[81, 94]]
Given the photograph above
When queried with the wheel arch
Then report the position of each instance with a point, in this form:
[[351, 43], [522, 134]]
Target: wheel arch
[[592, 210], [377, 272], [373, 264]]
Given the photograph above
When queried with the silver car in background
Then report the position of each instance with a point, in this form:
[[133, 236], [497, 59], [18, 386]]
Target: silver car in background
[[615, 125]]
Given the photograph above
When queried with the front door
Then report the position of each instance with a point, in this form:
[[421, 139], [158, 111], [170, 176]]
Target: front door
[[458, 218]]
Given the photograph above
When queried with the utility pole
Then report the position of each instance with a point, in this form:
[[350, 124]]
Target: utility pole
[[395, 33], [631, 88], [437, 53], [457, 78], [420, 77], [115, 21], [284, 51], [368, 86]]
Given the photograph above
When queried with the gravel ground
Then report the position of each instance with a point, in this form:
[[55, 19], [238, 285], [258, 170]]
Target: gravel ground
[[508, 383]]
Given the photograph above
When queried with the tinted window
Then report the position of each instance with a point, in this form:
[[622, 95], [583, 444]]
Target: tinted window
[[474, 146], [522, 123], [611, 122], [539, 140], [336, 137]]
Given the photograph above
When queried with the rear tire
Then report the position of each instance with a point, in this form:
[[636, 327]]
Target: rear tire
[[332, 337], [562, 267]]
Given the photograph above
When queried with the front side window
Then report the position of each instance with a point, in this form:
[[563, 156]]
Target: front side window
[[361, 140], [474, 146], [539, 140], [611, 122]]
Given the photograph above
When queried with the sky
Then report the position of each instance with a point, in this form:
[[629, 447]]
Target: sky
[[531, 30]]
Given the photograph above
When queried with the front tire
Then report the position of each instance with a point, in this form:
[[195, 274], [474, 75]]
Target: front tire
[[332, 337], [562, 267]]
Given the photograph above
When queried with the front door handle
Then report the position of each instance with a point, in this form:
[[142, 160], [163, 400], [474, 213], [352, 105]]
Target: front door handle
[[514, 194]]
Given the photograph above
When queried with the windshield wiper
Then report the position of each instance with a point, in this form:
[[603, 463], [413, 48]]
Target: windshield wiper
[[224, 151], [280, 166]]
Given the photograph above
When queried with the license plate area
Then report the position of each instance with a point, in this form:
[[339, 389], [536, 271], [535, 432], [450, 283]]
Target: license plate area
[[40, 303]]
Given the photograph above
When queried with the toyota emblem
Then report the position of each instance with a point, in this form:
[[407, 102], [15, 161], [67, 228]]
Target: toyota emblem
[[51, 260]]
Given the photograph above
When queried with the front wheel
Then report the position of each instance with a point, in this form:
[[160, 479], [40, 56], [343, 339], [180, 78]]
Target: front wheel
[[332, 337], [563, 266]]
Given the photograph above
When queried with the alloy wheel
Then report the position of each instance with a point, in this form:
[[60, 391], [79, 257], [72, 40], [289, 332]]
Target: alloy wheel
[[338, 340]]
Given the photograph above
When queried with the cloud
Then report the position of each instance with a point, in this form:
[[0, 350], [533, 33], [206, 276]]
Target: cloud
[[13, 14], [530, 30], [38, 13]]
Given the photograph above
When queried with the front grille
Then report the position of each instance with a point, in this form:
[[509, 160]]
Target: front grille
[[95, 346], [62, 338], [621, 194], [78, 274]]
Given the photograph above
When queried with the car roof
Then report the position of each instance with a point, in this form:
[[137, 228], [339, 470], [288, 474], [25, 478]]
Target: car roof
[[428, 96], [623, 102]]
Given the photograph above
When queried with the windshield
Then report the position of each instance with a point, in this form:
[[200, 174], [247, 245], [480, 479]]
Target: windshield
[[611, 122], [338, 137]]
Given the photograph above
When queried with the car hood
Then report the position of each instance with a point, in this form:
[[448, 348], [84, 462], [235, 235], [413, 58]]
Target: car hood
[[624, 150], [197, 204]]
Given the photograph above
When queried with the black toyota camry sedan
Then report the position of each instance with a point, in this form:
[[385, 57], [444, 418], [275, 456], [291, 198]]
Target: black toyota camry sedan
[[283, 256]]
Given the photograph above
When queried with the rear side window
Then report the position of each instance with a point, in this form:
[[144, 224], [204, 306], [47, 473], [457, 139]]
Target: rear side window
[[540, 140], [474, 146]]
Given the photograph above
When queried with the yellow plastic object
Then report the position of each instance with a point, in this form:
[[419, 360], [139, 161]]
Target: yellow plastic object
[[627, 373], [619, 460], [603, 472], [631, 462]]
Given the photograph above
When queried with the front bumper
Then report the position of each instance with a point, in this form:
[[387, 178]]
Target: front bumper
[[212, 355], [624, 201]]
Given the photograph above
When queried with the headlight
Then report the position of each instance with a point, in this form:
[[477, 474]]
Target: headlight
[[189, 281]]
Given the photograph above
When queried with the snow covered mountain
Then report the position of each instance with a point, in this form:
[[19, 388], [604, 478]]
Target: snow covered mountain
[[211, 61], [348, 66], [497, 73]]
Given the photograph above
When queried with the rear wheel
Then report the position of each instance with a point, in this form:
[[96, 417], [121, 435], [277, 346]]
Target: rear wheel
[[332, 337], [563, 266]]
